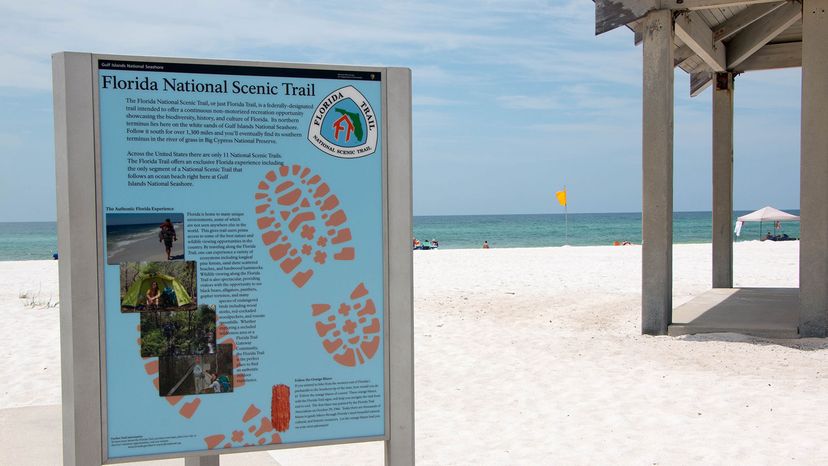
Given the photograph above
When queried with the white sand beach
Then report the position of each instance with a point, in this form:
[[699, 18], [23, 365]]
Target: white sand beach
[[534, 356]]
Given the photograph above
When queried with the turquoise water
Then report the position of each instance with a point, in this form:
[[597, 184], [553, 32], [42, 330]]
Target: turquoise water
[[542, 230], [27, 240], [38, 240]]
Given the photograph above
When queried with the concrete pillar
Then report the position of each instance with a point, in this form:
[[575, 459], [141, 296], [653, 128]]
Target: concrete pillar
[[813, 197], [657, 144], [723, 181]]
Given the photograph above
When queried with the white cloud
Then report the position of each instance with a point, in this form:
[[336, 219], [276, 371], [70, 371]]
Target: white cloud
[[431, 101], [527, 102], [430, 74], [10, 141], [557, 86], [271, 29], [539, 40]]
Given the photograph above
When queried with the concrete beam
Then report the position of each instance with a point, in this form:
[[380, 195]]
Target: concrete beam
[[707, 4], [755, 36], [694, 32], [813, 246], [610, 14], [699, 81], [637, 27], [744, 19], [723, 181], [682, 54], [657, 157], [772, 57]]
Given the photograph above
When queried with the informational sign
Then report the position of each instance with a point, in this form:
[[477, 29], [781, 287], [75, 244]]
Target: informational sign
[[244, 244]]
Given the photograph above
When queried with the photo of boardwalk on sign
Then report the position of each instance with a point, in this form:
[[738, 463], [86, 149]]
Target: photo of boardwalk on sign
[[197, 374]]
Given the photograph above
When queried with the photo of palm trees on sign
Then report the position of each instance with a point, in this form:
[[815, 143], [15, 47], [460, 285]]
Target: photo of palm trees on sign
[[158, 286], [178, 332]]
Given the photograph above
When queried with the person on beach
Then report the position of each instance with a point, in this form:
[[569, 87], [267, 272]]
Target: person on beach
[[153, 295], [167, 235], [485, 244]]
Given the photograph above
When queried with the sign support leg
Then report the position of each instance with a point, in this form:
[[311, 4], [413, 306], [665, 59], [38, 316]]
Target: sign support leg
[[201, 460], [399, 449], [78, 248]]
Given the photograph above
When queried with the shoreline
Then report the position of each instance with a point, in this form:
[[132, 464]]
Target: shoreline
[[178, 244]]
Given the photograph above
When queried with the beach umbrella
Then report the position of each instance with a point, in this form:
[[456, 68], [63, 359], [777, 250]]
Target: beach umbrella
[[765, 214]]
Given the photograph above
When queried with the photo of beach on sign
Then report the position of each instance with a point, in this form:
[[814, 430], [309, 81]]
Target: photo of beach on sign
[[144, 237]]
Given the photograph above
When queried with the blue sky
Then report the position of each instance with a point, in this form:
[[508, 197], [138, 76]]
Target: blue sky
[[512, 99]]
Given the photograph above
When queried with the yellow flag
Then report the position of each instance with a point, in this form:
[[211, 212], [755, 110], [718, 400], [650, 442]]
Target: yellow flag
[[561, 195]]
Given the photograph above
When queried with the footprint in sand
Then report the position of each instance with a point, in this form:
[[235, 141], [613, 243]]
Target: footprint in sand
[[351, 331], [301, 222]]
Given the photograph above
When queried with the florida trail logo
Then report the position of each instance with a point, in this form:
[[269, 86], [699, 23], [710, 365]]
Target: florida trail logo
[[344, 125]]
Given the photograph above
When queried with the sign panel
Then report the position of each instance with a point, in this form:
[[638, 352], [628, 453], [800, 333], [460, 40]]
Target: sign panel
[[244, 256]]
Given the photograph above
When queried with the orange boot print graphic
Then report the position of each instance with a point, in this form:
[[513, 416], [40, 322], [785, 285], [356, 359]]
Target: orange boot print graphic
[[350, 331], [301, 222]]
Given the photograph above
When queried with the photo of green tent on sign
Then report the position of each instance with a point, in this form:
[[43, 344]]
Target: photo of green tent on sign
[[158, 286]]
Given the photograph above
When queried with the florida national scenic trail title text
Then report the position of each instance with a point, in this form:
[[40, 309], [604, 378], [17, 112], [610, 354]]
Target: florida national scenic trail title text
[[216, 87]]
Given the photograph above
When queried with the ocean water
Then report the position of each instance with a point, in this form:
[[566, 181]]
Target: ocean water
[[38, 240], [27, 241], [544, 230]]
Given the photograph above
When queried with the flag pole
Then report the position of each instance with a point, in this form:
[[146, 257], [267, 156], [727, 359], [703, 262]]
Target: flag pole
[[566, 218], [562, 200]]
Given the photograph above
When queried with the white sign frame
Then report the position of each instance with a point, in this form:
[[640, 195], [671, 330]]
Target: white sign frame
[[77, 155]]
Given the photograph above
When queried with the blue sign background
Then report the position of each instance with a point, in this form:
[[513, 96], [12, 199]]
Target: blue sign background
[[287, 334]]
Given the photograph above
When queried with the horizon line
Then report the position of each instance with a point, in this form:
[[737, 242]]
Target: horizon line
[[483, 215], [579, 213]]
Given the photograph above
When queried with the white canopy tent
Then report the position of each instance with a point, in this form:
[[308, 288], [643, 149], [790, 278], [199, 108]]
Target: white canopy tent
[[765, 214]]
